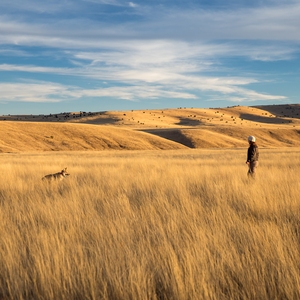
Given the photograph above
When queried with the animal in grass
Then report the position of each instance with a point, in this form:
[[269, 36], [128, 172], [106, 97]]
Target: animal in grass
[[57, 176]]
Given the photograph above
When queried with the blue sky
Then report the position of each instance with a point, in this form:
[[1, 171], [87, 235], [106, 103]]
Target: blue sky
[[95, 55]]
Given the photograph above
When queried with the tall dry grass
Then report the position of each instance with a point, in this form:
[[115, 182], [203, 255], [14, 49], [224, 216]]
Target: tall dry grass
[[150, 225]]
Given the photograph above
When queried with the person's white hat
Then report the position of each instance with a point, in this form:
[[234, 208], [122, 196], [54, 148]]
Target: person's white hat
[[251, 138]]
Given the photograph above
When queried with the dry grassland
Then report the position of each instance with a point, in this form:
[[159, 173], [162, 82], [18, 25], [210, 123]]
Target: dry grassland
[[275, 126], [183, 224]]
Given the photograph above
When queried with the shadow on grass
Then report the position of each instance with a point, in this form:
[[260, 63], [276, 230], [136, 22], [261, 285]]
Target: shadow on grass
[[286, 110], [174, 135], [189, 122], [264, 119]]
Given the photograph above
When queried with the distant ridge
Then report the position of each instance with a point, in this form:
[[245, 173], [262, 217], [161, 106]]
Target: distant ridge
[[274, 114], [274, 126]]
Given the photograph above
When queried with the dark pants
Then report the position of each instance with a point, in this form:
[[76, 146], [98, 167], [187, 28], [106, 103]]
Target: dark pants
[[252, 168]]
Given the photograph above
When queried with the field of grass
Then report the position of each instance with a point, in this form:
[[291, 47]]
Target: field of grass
[[185, 224]]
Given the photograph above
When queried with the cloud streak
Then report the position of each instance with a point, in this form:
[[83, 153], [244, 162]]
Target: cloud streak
[[278, 23], [172, 53], [151, 68], [53, 92]]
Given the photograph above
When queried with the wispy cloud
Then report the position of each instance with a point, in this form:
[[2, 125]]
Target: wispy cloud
[[17, 7], [158, 68], [278, 23], [53, 92], [171, 53], [106, 2], [131, 4], [138, 87], [118, 3], [32, 92]]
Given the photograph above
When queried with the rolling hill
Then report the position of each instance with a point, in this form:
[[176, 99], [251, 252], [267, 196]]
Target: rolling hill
[[274, 126]]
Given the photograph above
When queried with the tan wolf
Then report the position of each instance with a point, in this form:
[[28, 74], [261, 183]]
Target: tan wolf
[[57, 176]]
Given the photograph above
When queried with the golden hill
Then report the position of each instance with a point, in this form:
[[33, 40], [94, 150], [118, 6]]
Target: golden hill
[[39, 136], [274, 126]]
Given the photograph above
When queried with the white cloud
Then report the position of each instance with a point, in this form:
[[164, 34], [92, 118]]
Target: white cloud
[[53, 92], [31, 92], [131, 4], [178, 86], [113, 3], [164, 55], [273, 22], [34, 69], [155, 68], [106, 2], [277, 23]]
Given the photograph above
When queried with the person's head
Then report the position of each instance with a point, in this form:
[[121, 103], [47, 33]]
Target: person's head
[[251, 139]]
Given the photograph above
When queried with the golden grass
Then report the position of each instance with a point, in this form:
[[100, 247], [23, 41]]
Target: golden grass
[[43, 136], [274, 126], [182, 224]]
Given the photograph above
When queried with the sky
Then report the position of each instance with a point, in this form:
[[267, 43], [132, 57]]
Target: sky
[[98, 55]]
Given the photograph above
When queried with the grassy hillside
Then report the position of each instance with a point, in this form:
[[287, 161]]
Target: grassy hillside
[[274, 126], [43, 136]]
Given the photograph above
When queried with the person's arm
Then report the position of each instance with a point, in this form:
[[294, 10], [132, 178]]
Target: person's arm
[[248, 156]]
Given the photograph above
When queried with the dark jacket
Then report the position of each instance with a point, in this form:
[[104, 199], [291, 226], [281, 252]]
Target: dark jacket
[[253, 153]]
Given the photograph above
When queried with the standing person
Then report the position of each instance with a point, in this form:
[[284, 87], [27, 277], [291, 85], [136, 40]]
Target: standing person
[[252, 156]]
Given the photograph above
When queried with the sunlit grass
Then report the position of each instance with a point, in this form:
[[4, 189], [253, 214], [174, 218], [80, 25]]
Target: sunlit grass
[[150, 225]]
